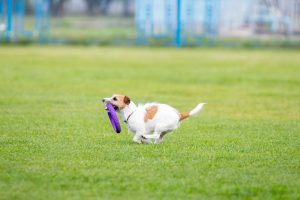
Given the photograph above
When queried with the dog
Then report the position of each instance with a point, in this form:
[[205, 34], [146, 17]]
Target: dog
[[151, 121]]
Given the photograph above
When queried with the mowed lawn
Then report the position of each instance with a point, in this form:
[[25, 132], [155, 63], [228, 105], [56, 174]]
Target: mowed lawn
[[56, 141]]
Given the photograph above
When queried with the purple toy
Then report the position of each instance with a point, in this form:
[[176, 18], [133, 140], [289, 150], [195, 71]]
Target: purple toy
[[113, 118]]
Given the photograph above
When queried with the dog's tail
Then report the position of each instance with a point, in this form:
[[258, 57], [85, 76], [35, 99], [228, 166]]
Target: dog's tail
[[193, 112]]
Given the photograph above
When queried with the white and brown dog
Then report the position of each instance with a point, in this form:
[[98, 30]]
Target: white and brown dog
[[149, 121]]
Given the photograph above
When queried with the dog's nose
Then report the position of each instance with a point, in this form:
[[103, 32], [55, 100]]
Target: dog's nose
[[103, 100]]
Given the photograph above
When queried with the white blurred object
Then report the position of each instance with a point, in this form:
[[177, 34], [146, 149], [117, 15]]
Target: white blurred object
[[75, 6], [2, 27]]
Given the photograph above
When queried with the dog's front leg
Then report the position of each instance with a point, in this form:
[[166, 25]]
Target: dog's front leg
[[137, 138]]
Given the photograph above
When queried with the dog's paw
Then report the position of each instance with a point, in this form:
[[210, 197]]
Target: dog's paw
[[146, 141], [143, 137], [157, 141], [137, 140]]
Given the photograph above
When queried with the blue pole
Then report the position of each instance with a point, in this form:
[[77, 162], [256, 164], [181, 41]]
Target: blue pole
[[9, 13], [178, 31], [1, 8]]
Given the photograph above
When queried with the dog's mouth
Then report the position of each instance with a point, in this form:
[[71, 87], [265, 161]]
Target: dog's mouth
[[115, 107]]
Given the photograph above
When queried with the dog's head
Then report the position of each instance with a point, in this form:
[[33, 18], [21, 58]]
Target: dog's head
[[119, 102]]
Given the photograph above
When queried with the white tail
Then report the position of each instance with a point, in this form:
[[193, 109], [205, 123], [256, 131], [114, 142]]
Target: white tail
[[197, 109], [193, 112]]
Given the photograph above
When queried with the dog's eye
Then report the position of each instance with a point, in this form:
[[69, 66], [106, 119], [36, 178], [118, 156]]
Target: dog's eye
[[115, 99]]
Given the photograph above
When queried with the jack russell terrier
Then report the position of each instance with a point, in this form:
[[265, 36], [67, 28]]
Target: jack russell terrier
[[143, 120]]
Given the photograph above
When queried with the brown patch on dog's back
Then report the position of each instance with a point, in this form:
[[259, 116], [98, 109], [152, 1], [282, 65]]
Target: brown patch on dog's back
[[150, 113], [184, 115]]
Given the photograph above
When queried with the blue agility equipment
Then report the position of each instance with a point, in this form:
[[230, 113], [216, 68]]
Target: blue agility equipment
[[178, 28], [176, 21], [12, 20]]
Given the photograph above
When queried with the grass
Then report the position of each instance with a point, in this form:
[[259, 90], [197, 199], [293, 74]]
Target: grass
[[93, 30], [56, 141]]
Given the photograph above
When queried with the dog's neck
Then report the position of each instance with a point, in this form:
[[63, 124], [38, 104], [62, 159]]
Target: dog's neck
[[128, 111]]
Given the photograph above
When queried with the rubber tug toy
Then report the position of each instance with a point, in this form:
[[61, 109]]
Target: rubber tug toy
[[113, 118]]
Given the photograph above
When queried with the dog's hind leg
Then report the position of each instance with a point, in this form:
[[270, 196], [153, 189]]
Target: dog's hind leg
[[154, 136], [146, 141], [160, 139], [157, 141]]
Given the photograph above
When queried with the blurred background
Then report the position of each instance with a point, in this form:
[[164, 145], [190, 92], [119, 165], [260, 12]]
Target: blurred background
[[229, 23]]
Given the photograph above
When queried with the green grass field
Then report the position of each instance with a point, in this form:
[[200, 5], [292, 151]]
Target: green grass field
[[56, 141]]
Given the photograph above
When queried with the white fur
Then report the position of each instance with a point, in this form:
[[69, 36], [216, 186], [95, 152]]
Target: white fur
[[165, 120], [197, 109]]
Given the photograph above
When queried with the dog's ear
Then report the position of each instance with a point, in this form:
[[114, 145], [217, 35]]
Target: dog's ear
[[126, 100]]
